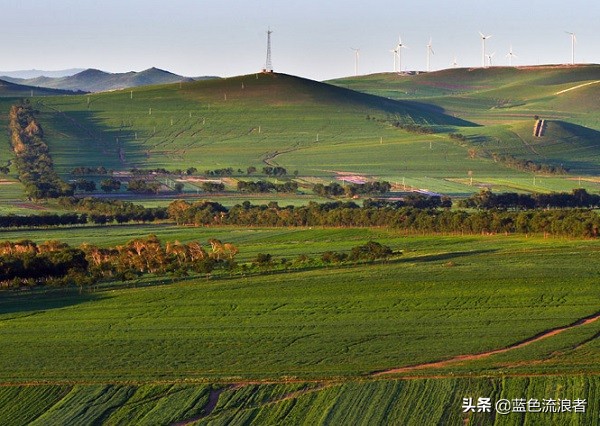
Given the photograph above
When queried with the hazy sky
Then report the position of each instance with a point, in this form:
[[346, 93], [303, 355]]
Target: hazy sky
[[311, 38]]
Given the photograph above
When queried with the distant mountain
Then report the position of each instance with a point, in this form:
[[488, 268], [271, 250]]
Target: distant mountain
[[93, 80], [26, 74]]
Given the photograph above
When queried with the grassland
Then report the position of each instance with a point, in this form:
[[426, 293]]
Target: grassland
[[320, 130], [302, 346]]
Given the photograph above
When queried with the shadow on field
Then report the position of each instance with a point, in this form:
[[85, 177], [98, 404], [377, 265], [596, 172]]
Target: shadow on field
[[445, 256], [32, 301]]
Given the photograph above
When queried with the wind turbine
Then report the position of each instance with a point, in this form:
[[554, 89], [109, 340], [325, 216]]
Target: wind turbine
[[510, 55], [399, 47], [573, 41], [429, 52], [357, 56], [454, 63], [490, 56], [395, 53], [483, 39]]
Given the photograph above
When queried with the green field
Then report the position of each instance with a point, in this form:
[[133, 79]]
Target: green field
[[495, 316], [324, 328], [408, 402]]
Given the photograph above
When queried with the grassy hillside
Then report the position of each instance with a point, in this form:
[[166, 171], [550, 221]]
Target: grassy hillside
[[321, 130], [239, 122], [491, 95]]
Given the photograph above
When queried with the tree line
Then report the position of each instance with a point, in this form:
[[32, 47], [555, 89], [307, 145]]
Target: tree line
[[578, 198], [32, 158], [56, 263], [573, 222], [563, 222], [265, 186], [351, 189], [528, 165]]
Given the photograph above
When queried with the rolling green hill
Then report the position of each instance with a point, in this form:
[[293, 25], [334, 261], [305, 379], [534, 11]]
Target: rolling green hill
[[236, 122], [322, 130], [497, 94]]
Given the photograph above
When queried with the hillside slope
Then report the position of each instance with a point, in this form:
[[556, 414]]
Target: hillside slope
[[498, 94], [235, 122]]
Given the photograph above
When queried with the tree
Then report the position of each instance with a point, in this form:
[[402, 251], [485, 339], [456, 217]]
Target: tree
[[110, 185], [179, 187]]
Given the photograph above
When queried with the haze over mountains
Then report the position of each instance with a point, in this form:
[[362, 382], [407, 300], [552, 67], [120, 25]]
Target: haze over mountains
[[93, 80]]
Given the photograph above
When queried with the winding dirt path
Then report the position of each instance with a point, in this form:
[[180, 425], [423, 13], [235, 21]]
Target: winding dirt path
[[470, 357]]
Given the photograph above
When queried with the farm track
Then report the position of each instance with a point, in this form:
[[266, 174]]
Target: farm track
[[471, 357]]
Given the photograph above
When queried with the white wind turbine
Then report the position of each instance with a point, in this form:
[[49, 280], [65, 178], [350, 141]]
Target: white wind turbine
[[356, 59], [454, 62], [511, 55], [483, 39], [399, 47], [429, 52], [573, 41], [395, 54], [490, 56]]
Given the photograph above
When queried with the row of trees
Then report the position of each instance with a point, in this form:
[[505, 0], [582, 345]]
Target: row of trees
[[32, 158], [351, 189], [53, 262], [529, 166], [264, 186], [114, 210], [486, 199], [571, 222], [84, 171], [142, 186]]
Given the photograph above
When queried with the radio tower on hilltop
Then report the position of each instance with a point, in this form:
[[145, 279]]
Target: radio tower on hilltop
[[268, 65]]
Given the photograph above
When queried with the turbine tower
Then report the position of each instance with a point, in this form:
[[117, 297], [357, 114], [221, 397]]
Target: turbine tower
[[490, 56], [399, 47], [429, 53], [356, 59], [395, 54], [573, 41], [510, 55], [483, 39], [268, 65], [454, 63]]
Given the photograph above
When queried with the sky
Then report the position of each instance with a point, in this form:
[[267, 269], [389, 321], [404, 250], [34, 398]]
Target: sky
[[312, 39]]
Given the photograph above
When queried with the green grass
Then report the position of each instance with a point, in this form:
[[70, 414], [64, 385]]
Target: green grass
[[407, 402], [319, 130], [320, 323]]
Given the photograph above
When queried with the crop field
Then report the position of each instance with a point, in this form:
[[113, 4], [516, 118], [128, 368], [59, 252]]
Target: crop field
[[160, 353], [410, 402], [319, 323]]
